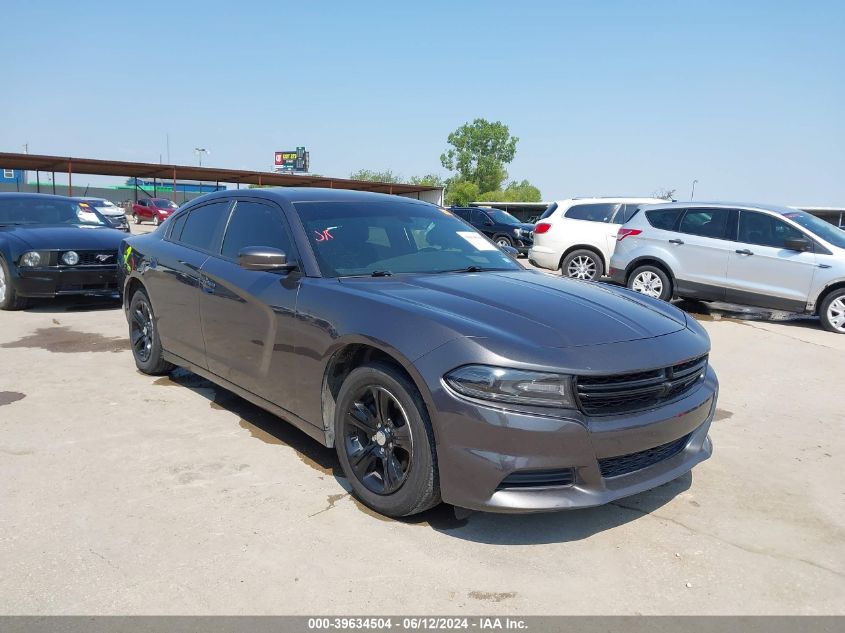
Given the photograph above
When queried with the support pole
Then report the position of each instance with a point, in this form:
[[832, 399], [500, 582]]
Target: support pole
[[54, 183], [69, 178], [174, 183]]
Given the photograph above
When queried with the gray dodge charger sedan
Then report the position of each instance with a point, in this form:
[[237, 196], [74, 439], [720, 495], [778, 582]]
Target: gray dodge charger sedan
[[437, 367]]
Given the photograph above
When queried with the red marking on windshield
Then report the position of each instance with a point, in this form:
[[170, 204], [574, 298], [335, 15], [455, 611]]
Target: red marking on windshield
[[325, 236]]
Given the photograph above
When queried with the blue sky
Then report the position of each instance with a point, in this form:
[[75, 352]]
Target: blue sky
[[606, 97]]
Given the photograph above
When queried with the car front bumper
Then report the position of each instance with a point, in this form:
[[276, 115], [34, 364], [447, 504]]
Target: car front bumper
[[479, 447], [54, 282]]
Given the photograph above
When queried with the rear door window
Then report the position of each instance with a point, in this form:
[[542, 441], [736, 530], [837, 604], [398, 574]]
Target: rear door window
[[479, 218], [705, 222], [176, 225], [596, 212], [203, 226], [462, 213], [663, 218]]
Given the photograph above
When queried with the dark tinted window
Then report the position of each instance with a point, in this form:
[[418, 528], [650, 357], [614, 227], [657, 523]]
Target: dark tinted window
[[501, 217], [461, 213], [599, 212], [255, 224], [176, 225], [201, 227], [663, 218], [479, 218], [705, 222], [552, 208], [823, 229], [765, 230]]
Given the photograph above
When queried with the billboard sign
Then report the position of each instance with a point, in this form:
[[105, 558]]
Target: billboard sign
[[291, 160]]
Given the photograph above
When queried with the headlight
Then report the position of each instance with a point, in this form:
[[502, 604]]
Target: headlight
[[71, 258], [517, 232], [30, 259], [512, 385]]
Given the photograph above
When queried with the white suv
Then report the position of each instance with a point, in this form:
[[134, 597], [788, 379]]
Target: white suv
[[578, 235]]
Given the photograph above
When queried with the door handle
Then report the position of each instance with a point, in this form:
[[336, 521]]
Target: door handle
[[743, 251], [676, 241], [207, 285]]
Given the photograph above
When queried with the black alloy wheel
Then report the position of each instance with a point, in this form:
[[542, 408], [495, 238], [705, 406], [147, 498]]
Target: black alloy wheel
[[378, 440], [141, 330]]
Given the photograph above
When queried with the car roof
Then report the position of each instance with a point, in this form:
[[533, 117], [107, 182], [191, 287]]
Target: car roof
[[749, 206], [30, 196], [635, 200], [310, 194]]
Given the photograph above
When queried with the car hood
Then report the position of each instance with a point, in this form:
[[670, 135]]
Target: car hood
[[48, 237], [526, 307], [527, 227]]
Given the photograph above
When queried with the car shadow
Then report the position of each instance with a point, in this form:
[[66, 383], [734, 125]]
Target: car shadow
[[717, 310], [72, 304], [479, 527]]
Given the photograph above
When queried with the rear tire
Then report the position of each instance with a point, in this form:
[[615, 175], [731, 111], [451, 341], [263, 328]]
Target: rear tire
[[143, 337], [385, 442], [9, 298], [651, 281], [832, 312], [582, 264]]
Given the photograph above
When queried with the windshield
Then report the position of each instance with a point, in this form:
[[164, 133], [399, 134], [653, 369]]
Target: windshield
[[825, 230], [165, 204], [502, 217], [33, 211], [394, 237]]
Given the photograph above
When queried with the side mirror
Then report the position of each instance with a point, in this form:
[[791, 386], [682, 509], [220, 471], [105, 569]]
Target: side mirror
[[263, 258], [510, 251], [800, 244]]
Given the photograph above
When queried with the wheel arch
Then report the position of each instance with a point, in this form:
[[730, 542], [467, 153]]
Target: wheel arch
[[352, 354], [650, 260], [585, 247], [833, 287]]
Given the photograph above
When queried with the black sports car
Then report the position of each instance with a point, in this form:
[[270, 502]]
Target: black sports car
[[51, 246]]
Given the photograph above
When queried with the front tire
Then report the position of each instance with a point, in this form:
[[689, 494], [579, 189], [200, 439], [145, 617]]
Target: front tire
[[143, 336], [385, 443], [504, 240], [651, 281], [156, 220], [582, 264], [9, 298], [136, 218], [832, 312]]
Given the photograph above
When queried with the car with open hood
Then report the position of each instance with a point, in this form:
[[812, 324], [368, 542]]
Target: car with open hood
[[435, 365], [52, 246]]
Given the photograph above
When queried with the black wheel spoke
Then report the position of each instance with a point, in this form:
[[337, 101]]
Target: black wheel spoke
[[362, 461], [360, 416], [393, 473], [402, 437], [381, 401], [139, 318]]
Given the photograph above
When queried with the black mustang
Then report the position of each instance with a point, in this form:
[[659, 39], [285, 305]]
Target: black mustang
[[51, 246]]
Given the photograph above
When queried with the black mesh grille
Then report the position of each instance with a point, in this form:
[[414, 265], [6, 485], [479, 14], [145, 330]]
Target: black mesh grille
[[538, 479], [624, 464], [93, 258], [624, 393]]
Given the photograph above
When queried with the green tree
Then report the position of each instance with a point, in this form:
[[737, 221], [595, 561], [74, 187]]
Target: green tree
[[430, 180], [480, 150], [461, 192], [376, 176], [515, 192]]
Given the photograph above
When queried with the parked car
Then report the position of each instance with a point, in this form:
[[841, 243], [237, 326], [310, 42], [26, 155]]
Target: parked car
[[52, 246], [155, 209], [114, 215], [577, 236], [436, 366], [500, 226], [759, 255]]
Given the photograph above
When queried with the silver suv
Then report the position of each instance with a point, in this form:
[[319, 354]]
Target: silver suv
[[766, 256]]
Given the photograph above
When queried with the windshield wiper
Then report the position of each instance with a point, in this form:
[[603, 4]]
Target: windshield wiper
[[381, 273], [469, 269]]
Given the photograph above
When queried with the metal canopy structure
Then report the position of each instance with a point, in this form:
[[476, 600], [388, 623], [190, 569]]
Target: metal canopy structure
[[167, 173]]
